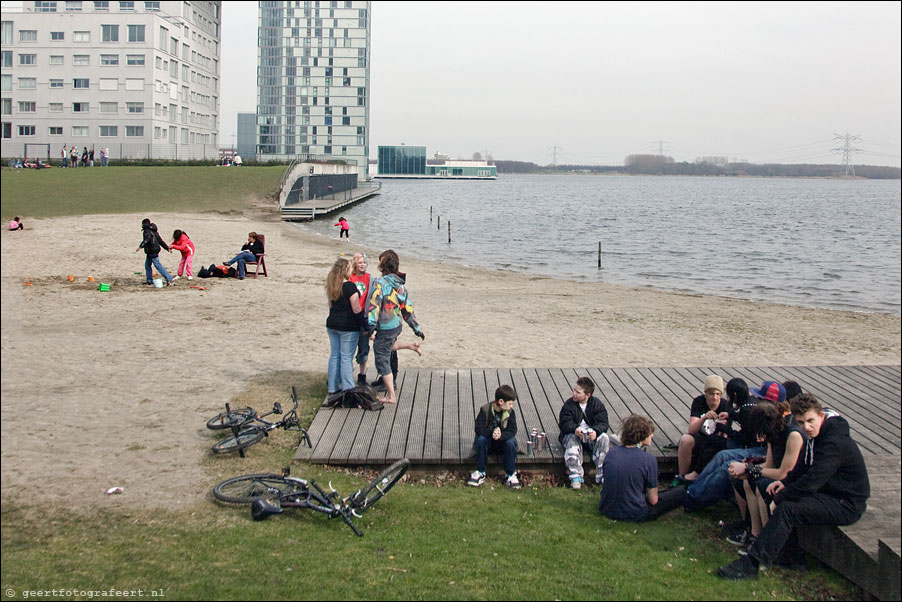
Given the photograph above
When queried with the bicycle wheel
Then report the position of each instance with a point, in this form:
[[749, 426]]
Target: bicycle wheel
[[246, 488], [226, 420], [243, 439], [378, 487]]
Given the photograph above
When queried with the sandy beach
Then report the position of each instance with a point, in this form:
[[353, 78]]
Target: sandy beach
[[113, 388]]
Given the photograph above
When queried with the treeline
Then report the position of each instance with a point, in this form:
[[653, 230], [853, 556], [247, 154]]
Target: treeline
[[665, 166]]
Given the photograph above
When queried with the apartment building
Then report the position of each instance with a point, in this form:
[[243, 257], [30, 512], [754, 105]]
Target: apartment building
[[313, 81], [138, 78]]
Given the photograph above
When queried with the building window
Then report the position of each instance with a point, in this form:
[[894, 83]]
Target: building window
[[7, 59], [6, 83], [134, 59], [164, 35], [109, 107], [28, 83], [109, 131], [173, 46], [109, 33], [73, 5], [57, 60], [57, 36], [81, 36], [28, 106], [80, 107], [26, 130], [28, 59], [79, 131], [7, 106], [56, 130], [152, 7], [135, 33], [81, 83], [28, 35], [135, 107], [127, 6], [102, 6], [7, 131], [109, 59], [45, 7], [134, 131], [56, 83], [6, 33], [109, 83], [81, 60], [56, 107]]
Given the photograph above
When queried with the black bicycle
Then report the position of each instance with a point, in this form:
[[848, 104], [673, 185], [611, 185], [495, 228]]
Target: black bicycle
[[271, 493], [249, 427]]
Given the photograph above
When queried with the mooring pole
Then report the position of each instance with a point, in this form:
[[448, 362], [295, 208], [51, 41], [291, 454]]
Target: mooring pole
[[430, 214], [449, 232], [438, 222], [599, 254]]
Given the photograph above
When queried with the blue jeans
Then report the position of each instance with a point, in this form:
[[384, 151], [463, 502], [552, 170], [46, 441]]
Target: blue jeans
[[341, 359], [154, 260], [713, 484], [241, 258], [508, 448]]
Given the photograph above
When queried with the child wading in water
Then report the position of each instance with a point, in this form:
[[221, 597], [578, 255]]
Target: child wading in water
[[181, 242], [345, 228]]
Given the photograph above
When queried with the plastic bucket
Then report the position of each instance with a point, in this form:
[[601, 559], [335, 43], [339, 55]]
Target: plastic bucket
[[158, 282]]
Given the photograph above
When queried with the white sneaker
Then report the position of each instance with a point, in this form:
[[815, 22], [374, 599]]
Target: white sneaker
[[174, 278], [513, 482], [476, 479], [190, 277], [576, 482]]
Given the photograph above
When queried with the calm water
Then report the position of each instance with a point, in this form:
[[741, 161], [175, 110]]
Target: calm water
[[820, 243]]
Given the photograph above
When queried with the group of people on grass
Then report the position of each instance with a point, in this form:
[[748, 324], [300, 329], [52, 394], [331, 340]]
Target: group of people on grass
[[71, 157], [153, 243], [365, 309], [787, 464]]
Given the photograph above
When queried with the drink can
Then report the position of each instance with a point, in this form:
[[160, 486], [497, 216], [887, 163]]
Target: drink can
[[544, 440], [529, 448]]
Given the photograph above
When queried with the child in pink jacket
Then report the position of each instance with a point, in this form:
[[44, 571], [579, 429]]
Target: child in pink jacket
[[181, 242]]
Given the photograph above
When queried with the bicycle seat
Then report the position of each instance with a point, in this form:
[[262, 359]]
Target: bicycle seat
[[262, 508], [277, 408]]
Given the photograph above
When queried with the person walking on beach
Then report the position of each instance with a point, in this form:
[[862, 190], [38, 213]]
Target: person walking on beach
[[361, 278], [343, 326], [388, 303], [249, 252], [345, 228], [151, 243], [181, 242]]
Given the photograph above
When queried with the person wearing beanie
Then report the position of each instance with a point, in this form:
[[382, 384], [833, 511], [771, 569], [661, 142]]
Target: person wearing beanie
[[709, 425]]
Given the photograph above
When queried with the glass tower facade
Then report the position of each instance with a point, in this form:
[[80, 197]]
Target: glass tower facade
[[313, 80], [402, 160]]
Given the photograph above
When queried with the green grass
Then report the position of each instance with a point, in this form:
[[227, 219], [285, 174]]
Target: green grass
[[54, 192], [431, 538]]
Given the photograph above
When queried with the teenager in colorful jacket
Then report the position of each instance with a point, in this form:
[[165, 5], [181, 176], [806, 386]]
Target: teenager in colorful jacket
[[387, 304]]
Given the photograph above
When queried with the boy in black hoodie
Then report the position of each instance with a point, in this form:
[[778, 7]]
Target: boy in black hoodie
[[829, 487], [496, 431], [152, 242], [583, 422]]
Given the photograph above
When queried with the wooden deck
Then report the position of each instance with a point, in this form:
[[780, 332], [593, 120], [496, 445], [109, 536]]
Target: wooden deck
[[433, 420]]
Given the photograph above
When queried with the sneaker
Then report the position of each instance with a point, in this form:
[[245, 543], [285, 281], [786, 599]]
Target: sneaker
[[743, 567], [734, 528], [576, 482], [476, 479], [169, 282], [378, 383], [190, 277], [361, 379], [512, 481], [176, 277], [745, 538]]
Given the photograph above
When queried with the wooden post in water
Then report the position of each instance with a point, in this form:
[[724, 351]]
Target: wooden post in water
[[599, 254], [430, 214], [438, 223], [449, 232]]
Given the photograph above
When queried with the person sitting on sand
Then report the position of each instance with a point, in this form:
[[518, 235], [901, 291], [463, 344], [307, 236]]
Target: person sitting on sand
[[249, 252], [709, 426], [16, 224], [630, 491], [496, 431], [388, 303]]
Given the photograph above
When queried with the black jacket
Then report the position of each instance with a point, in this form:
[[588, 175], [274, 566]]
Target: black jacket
[[832, 464], [152, 241], [255, 247], [487, 420], [571, 415]]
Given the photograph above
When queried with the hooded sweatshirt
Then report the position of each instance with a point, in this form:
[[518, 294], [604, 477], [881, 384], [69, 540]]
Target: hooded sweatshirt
[[184, 245], [152, 241], [832, 464], [388, 303]]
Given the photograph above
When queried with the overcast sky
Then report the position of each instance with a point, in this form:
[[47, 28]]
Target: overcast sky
[[599, 81]]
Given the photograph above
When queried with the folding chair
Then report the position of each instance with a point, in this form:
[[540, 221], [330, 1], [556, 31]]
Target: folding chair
[[261, 260]]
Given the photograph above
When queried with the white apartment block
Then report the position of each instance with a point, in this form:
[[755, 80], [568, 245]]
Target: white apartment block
[[313, 81], [138, 78]]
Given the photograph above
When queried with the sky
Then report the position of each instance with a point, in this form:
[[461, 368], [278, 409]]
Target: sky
[[590, 83]]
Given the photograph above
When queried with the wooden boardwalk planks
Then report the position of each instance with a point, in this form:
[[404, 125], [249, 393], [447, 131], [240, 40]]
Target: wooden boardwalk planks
[[433, 420]]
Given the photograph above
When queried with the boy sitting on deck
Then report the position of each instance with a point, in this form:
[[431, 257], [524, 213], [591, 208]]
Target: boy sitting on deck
[[583, 422], [496, 431], [830, 489]]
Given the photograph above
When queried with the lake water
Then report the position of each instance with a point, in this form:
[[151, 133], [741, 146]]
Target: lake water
[[819, 243]]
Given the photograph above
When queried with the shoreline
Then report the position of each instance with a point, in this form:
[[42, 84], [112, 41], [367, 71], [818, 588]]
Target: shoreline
[[105, 389]]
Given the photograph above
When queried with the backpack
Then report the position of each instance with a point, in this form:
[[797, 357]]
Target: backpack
[[362, 396]]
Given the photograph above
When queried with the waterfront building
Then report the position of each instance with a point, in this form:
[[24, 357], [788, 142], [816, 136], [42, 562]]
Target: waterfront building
[[247, 135], [139, 78], [404, 161], [313, 83]]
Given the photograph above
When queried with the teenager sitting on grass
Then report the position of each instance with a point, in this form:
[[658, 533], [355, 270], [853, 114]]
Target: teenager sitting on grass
[[630, 490], [496, 431], [750, 479], [830, 489]]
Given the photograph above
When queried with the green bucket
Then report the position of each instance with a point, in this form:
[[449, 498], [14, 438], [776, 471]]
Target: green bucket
[[104, 288]]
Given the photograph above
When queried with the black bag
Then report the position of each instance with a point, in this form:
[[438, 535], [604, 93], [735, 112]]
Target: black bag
[[362, 396]]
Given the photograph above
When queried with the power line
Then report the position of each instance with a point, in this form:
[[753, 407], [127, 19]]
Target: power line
[[847, 150]]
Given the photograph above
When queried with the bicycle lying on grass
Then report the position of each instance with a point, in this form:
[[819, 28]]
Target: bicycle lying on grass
[[249, 427], [272, 493]]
